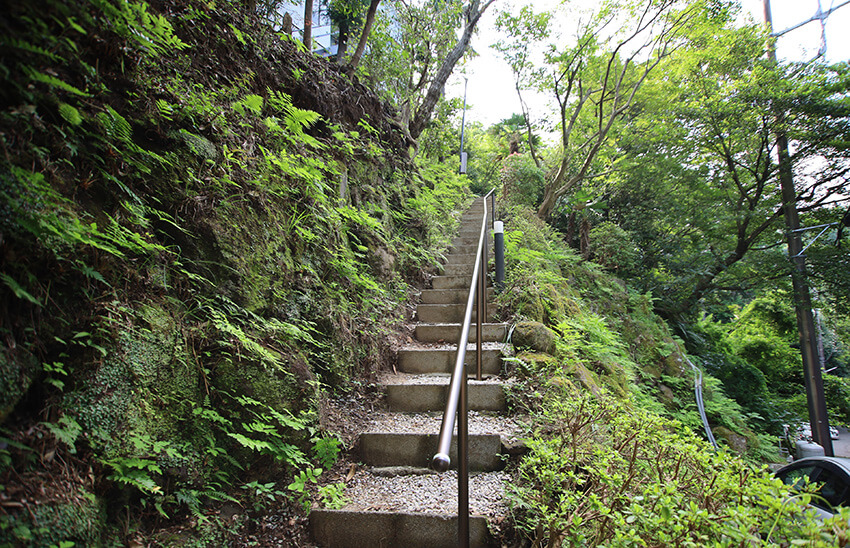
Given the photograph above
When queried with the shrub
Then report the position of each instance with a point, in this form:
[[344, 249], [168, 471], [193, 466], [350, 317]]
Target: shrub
[[601, 472]]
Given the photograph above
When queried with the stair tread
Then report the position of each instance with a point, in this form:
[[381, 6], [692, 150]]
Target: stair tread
[[429, 379], [410, 505], [425, 493], [353, 529], [480, 424], [431, 347], [458, 324]]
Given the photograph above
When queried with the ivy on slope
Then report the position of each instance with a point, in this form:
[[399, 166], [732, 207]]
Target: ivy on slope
[[203, 230], [613, 456]]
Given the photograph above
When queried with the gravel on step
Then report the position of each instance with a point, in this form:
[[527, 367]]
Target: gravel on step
[[432, 378], [470, 347], [429, 423], [434, 493]]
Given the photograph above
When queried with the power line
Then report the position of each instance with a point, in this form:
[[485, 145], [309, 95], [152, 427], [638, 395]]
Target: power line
[[820, 16]]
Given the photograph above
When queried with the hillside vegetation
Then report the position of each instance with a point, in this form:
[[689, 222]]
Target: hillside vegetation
[[204, 231], [210, 239]]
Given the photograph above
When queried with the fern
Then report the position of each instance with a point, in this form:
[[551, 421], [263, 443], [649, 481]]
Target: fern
[[70, 114], [17, 289], [165, 109], [54, 82], [66, 430], [252, 103], [115, 125], [26, 46]]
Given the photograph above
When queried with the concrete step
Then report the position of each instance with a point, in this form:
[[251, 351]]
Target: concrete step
[[450, 332], [460, 258], [452, 269], [448, 313], [468, 244], [472, 236], [415, 395], [449, 296], [406, 449], [394, 508], [400, 439], [442, 360], [352, 529], [412, 449], [451, 282]]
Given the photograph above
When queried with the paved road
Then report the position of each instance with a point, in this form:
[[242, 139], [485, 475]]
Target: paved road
[[841, 446]]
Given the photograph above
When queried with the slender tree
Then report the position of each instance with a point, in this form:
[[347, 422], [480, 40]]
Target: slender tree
[[595, 81], [472, 14], [308, 24], [364, 35]]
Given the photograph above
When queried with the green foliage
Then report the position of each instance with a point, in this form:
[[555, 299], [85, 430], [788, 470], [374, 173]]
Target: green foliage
[[333, 496], [607, 473], [613, 248], [132, 20], [74, 517], [609, 339], [262, 493], [837, 395], [300, 483], [326, 450], [184, 253], [522, 181], [66, 430]]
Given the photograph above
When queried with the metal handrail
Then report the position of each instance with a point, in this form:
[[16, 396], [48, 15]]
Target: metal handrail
[[456, 406]]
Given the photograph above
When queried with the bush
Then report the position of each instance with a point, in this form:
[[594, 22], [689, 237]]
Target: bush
[[613, 248], [603, 473], [523, 181]]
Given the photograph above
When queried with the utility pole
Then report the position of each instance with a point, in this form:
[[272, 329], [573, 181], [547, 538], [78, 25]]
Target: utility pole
[[802, 297], [462, 125]]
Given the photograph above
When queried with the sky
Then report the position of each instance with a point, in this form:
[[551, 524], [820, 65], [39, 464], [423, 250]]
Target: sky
[[491, 95]]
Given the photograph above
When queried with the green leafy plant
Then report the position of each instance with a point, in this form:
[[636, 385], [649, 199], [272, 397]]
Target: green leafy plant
[[67, 430], [262, 493], [326, 450], [300, 482], [333, 496]]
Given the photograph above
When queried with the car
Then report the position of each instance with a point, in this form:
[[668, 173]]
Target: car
[[804, 431], [833, 475]]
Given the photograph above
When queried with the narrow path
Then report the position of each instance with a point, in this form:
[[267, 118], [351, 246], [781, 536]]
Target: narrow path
[[395, 499]]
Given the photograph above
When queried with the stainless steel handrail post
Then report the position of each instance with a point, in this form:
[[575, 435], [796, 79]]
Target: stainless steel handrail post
[[463, 466], [457, 405], [481, 314]]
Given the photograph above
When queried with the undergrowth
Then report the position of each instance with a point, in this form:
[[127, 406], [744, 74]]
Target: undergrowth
[[201, 239], [615, 450]]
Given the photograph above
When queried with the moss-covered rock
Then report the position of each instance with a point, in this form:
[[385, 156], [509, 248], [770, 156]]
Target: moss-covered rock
[[145, 384], [736, 442], [534, 336], [529, 363], [18, 370], [72, 514]]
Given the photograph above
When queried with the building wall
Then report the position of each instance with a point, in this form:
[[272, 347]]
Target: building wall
[[323, 40]]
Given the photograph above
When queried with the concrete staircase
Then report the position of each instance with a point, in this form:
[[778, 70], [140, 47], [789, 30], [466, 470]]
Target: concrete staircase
[[395, 500]]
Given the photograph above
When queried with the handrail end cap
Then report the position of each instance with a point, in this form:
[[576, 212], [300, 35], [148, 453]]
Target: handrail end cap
[[440, 462]]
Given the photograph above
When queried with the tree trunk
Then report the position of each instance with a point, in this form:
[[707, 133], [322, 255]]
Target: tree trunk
[[367, 28], [548, 203], [342, 42], [308, 24], [584, 238], [423, 113]]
